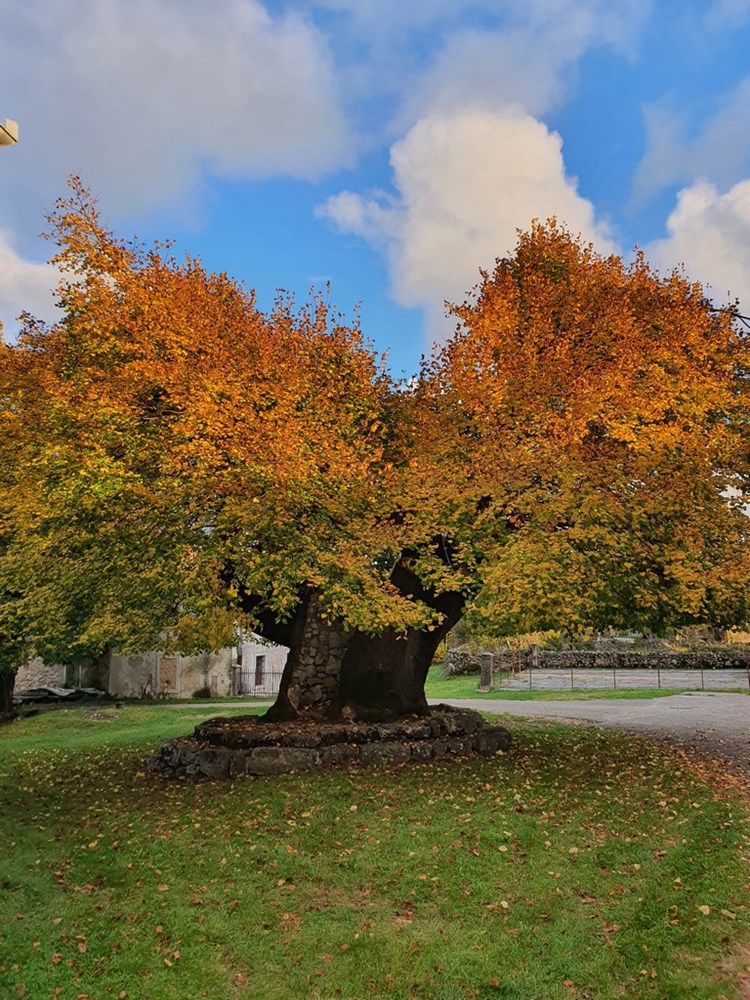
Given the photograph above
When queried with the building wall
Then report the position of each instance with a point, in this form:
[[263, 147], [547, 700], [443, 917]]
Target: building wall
[[147, 675], [37, 673], [250, 672], [172, 675]]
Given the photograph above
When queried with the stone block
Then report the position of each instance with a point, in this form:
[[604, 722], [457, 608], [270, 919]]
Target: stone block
[[307, 740], [238, 764], [418, 729], [469, 721], [490, 739], [375, 754], [213, 763], [280, 760], [339, 755]]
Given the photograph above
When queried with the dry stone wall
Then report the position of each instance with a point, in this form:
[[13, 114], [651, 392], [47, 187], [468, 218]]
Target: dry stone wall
[[463, 661], [245, 746]]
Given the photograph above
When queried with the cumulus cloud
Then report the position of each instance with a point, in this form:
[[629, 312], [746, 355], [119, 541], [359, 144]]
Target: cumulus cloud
[[464, 182], [709, 233], [718, 151], [141, 96], [24, 286]]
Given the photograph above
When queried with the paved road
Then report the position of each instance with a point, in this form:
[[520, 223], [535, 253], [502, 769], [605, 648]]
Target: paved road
[[708, 722]]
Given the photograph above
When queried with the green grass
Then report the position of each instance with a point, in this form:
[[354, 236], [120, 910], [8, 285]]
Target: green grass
[[574, 866], [238, 700]]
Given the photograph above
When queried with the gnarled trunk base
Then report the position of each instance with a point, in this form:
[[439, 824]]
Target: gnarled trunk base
[[332, 673]]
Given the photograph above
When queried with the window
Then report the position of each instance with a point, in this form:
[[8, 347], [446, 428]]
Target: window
[[260, 669], [168, 673]]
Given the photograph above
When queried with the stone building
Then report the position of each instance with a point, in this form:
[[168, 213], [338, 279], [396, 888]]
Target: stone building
[[251, 668]]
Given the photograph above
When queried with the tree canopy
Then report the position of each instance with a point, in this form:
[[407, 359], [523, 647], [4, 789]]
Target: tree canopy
[[174, 460]]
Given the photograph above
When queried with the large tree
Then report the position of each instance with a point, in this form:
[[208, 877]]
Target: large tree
[[575, 455]]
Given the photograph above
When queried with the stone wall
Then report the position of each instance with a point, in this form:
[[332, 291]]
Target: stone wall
[[321, 655], [240, 746], [462, 661], [37, 673]]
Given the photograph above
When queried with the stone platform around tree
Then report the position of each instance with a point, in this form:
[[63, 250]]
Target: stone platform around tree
[[244, 745]]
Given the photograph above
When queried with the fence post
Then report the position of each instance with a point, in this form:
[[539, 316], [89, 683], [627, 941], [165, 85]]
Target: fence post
[[533, 656], [485, 671]]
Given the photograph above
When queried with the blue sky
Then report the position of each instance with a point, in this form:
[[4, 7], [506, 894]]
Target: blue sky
[[391, 148]]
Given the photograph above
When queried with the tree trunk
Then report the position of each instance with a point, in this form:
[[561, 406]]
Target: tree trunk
[[383, 676], [310, 682], [334, 673], [7, 684]]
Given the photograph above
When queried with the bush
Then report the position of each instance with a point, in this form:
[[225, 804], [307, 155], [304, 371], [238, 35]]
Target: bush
[[204, 692]]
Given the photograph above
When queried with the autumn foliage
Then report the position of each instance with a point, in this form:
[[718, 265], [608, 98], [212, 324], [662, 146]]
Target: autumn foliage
[[175, 461]]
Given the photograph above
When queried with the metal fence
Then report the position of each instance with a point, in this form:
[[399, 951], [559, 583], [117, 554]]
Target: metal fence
[[256, 682]]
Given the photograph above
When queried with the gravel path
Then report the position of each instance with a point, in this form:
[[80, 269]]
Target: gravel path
[[709, 723]]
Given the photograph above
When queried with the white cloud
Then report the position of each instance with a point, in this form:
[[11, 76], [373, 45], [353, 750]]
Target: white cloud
[[141, 96], [719, 151], [369, 18], [425, 54], [526, 62], [465, 182], [709, 233], [24, 286]]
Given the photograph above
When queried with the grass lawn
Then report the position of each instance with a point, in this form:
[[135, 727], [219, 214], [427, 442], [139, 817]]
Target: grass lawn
[[582, 864]]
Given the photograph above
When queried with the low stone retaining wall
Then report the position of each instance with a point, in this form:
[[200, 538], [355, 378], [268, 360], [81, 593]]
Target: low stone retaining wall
[[239, 746], [461, 661]]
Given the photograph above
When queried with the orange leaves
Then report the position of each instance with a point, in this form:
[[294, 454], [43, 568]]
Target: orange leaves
[[168, 445], [600, 410], [167, 406], [559, 342]]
